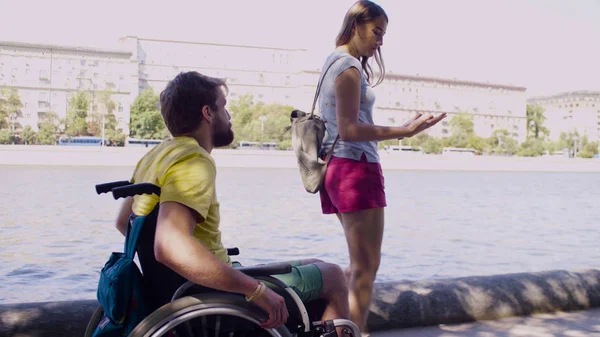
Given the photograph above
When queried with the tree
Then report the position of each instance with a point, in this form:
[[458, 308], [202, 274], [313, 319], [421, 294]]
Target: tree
[[535, 122], [28, 135], [463, 134], [6, 136], [76, 122], [10, 103], [432, 145], [500, 142], [146, 120], [107, 118], [589, 150], [50, 126], [247, 125], [532, 147]]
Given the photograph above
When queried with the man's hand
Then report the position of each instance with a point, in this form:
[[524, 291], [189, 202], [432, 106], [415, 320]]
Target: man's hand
[[274, 305]]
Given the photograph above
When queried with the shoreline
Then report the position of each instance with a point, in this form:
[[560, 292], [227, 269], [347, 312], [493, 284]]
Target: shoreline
[[39, 155]]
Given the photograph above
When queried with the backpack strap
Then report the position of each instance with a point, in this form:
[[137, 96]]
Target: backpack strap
[[312, 111], [134, 228], [319, 86]]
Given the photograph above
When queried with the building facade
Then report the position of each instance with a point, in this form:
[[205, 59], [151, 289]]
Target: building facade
[[46, 76], [491, 106], [269, 74], [571, 111]]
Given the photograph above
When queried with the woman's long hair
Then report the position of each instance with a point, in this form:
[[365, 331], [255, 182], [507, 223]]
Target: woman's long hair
[[363, 11]]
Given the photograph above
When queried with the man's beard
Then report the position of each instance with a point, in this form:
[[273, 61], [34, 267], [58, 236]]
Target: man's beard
[[223, 137]]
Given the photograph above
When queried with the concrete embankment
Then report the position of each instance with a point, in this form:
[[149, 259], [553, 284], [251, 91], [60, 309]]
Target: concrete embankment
[[19, 155], [396, 305]]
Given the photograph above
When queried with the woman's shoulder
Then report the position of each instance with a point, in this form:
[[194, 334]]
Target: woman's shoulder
[[338, 61]]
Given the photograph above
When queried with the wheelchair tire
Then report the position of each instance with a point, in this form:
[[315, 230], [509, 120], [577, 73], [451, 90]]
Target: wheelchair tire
[[175, 313], [94, 321]]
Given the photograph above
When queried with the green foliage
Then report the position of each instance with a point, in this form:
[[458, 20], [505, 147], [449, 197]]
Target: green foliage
[[462, 131], [28, 135], [589, 150], [10, 103], [535, 122], [146, 120], [532, 147], [383, 144], [501, 143], [50, 127], [6, 136], [247, 125], [77, 113]]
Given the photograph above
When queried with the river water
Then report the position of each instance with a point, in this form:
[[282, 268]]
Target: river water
[[56, 233]]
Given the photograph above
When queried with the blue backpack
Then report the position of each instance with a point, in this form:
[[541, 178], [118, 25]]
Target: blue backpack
[[120, 289]]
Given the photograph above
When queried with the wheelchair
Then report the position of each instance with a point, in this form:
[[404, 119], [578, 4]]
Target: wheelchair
[[181, 308]]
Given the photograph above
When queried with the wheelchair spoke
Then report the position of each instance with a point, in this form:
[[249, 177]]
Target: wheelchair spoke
[[204, 326], [217, 315], [218, 326]]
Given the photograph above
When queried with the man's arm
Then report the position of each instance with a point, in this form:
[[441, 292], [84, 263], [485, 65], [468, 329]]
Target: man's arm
[[175, 247], [123, 217]]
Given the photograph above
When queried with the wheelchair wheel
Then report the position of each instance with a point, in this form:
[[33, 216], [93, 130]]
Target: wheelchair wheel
[[211, 314], [94, 321]]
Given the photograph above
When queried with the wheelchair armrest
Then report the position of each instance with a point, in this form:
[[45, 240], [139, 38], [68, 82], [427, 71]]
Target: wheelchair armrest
[[267, 269]]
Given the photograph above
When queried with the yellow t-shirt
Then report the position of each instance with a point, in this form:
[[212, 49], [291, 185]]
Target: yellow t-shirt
[[186, 174]]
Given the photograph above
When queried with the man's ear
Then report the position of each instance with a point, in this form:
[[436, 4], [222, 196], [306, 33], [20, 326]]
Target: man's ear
[[207, 113]]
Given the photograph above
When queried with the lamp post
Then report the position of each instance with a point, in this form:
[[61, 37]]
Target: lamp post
[[262, 127]]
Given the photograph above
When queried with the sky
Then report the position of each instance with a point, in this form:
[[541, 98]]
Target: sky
[[547, 46]]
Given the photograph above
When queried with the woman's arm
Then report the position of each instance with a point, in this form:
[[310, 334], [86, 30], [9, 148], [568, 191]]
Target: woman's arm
[[347, 100]]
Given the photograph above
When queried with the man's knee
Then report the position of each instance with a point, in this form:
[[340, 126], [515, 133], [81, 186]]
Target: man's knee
[[334, 279]]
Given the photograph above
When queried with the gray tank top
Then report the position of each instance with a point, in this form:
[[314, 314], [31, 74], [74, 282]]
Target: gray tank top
[[343, 149]]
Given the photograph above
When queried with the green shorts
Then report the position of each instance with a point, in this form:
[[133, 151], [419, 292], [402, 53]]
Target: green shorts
[[305, 280]]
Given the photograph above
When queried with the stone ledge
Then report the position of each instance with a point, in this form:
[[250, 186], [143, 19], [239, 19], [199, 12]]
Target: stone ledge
[[396, 305]]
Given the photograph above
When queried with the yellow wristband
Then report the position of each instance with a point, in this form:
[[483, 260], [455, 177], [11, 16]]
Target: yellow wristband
[[257, 292]]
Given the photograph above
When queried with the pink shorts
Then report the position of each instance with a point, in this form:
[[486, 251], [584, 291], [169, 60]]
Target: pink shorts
[[352, 185]]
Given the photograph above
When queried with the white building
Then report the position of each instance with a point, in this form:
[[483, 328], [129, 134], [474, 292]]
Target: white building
[[47, 75], [571, 111], [267, 73], [492, 106]]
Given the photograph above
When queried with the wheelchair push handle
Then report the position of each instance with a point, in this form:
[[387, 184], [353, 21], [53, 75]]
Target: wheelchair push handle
[[107, 187], [135, 189], [233, 251]]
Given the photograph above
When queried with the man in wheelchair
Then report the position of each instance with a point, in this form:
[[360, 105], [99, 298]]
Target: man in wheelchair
[[187, 239]]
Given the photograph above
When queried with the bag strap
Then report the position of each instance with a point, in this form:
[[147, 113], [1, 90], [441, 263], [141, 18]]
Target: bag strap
[[312, 111], [131, 237], [319, 86]]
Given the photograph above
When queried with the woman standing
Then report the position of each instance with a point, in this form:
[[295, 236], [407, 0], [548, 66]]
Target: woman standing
[[354, 183]]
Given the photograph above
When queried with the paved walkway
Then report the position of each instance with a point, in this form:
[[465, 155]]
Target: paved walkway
[[572, 324]]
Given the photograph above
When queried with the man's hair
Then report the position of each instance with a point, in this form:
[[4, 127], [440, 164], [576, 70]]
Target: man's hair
[[184, 97]]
